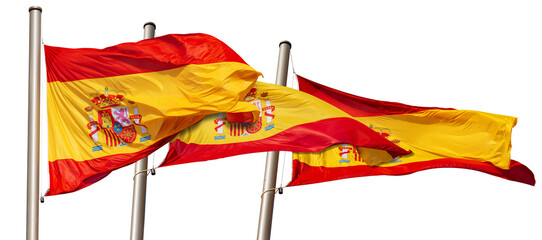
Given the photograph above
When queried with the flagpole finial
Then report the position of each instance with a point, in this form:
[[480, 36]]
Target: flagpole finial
[[286, 42], [34, 8], [149, 23]]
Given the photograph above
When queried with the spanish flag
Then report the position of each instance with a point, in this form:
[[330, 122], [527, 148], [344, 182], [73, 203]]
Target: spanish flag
[[438, 138], [290, 120], [108, 108]]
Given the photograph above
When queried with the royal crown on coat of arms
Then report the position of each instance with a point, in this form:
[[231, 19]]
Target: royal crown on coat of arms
[[115, 126], [107, 98]]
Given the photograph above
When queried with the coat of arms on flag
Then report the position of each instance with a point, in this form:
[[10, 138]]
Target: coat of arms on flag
[[114, 121], [236, 129]]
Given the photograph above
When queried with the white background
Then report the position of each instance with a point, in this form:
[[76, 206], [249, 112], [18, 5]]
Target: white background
[[478, 55]]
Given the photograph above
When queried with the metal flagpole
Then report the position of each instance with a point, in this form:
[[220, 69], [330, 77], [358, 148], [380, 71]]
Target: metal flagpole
[[140, 178], [269, 181], [33, 174]]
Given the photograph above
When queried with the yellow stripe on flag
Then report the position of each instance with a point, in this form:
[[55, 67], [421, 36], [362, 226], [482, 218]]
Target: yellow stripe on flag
[[154, 95], [464, 134]]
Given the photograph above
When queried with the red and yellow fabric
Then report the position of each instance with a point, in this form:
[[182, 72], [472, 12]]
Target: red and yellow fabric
[[438, 138], [290, 120], [108, 108]]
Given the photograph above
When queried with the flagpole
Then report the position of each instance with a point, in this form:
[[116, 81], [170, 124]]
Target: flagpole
[[140, 178], [270, 177], [33, 174]]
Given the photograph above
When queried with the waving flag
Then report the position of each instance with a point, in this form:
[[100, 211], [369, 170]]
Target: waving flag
[[110, 107], [438, 138], [290, 120]]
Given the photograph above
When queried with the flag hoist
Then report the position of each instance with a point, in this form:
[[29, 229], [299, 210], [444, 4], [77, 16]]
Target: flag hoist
[[270, 177], [137, 226], [32, 191]]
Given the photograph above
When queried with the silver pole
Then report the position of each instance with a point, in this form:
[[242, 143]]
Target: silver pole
[[140, 178], [33, 174], [270, 178]]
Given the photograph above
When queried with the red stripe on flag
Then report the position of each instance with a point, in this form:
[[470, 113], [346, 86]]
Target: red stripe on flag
[[150, 55], [306, 174], [240, 117], [308, 137], [354, 105], [68, 175]]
